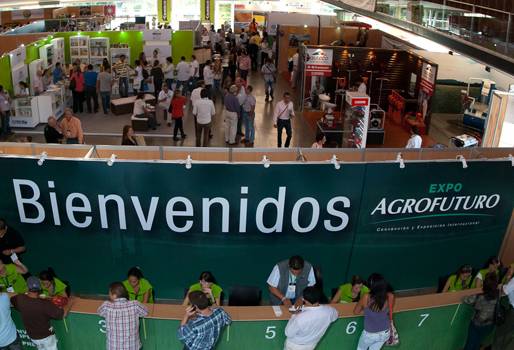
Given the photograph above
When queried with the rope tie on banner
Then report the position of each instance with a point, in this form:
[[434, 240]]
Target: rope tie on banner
[[144, 328], [65, 325], [399, 159]]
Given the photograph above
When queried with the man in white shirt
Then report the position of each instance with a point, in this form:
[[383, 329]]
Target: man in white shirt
[[362, 86], [169, 72], [195, 71], [415, 140], [183, 75], [196, 93], [294, 74], [241, 97], [165, 96], [306, 328], [208, 77], [203, 110], [282, 115], [288, 280]]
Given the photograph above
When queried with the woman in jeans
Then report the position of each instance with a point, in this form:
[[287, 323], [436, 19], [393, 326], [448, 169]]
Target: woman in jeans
[[376, 306], [484, 304]]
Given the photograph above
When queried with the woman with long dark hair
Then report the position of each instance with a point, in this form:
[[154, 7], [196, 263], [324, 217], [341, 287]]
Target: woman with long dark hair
[[484, 305], [207, 284], [377, 316], [461, 280], [128, 139]]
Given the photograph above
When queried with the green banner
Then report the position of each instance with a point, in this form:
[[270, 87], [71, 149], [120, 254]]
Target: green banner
[[207, 8], [91, 221], [164, 11]]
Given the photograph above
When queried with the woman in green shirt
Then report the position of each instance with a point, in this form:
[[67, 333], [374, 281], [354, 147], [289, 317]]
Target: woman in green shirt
[[52, 286], [138, 287], [11, 279], [460, 280], [350, 292], [206, 284], [492, 266]]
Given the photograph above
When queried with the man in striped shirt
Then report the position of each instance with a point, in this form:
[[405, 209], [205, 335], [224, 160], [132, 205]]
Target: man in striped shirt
[[122, 70], [201, 326], [122, 319]]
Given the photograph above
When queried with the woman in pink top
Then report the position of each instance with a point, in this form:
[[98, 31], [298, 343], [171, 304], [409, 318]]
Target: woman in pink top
[[244, 64], [77, 86]]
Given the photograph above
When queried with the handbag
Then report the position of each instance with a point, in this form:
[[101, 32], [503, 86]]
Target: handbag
[[73, 84], [394, 337]]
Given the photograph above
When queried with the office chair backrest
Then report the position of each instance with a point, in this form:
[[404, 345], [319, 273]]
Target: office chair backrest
[[244, 296]]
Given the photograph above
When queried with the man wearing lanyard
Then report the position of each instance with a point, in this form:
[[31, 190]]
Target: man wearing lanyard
[[288, 280], [284, 112]]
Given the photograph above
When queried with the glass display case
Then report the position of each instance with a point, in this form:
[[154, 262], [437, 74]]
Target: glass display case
[[79, 48], [26, 112], [356, 119], [51, 102]]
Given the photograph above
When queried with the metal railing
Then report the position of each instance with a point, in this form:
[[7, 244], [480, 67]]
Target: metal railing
[[484, 26]]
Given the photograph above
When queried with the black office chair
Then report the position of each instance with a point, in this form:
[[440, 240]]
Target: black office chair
[[441, 281], [319, 284], [333, 292], [245, 296]]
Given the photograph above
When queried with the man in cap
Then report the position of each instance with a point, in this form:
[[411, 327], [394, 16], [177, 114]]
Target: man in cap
[[36, 314]]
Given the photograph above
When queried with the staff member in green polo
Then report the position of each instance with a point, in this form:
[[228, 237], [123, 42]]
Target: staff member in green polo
[[207, 284], [138, 287], [51, 286], [11, 279], [492, 266], [350, 292], [460, 280]]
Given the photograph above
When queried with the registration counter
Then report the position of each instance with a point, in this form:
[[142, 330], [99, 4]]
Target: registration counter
[[434, 321]]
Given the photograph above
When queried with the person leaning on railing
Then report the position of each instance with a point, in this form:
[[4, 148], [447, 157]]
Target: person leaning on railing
[[138, 287]]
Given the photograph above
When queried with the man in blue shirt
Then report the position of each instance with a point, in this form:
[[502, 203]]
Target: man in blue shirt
[[201, 326], [57, 73], [9, 338], [90, 78]]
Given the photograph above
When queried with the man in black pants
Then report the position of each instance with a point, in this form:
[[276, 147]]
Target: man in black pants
[[284, 112], [90, 78]]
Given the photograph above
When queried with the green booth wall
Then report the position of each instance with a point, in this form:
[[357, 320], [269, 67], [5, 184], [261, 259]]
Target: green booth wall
[[182, 45]]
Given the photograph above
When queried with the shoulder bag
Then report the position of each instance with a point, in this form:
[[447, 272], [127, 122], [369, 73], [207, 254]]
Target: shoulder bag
[[394, 337]]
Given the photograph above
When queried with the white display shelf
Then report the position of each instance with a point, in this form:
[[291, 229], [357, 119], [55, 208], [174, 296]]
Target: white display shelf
[[58, 50], [47, 55], [79, 48], [98, 50]]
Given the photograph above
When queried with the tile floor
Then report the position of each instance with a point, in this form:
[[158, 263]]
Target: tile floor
[[103, 129]]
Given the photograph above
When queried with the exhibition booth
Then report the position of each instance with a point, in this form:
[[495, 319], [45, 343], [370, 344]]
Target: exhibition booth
[[40, 57], [351, 94]]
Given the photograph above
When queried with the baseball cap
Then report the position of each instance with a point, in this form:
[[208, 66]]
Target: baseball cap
[[34, 284]]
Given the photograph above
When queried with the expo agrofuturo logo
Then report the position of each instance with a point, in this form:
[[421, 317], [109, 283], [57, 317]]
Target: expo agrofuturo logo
[[317, 56]]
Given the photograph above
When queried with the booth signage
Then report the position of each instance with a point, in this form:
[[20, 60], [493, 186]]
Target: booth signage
[[427, 83], [18, 56], [355, 102], [164, 11], [318, 62], [157, 35], [220, 214], [27, 14], [110, 10], [207, 10], [368, 5]]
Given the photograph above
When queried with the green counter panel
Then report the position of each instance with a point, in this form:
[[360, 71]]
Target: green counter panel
[[438, 328]]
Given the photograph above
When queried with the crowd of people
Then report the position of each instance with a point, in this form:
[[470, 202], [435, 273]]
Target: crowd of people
[[293, 283]]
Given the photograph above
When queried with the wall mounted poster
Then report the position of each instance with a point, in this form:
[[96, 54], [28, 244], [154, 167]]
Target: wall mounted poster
[[17, 56], [157, 52], [427, 83], [318, 62], [157, 35]]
